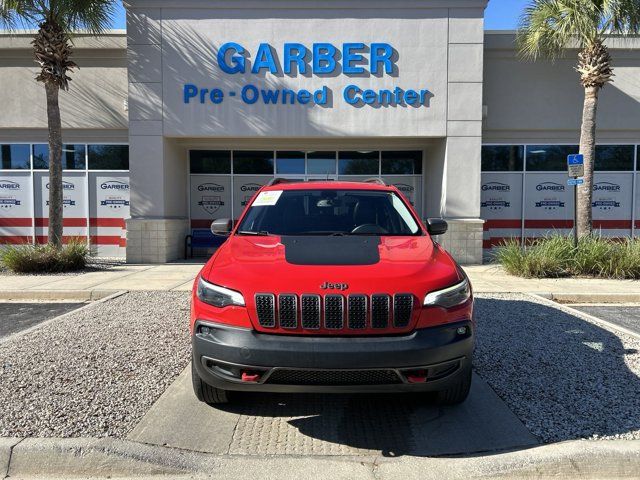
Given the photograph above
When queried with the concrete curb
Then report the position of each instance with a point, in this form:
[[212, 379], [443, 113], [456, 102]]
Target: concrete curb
[[593, 297], [56, 295], [91, 458]]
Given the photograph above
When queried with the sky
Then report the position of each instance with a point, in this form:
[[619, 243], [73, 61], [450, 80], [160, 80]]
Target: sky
[[500, 15]]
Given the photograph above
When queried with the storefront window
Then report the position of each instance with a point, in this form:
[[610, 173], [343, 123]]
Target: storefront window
[[14, 157], [73, 157], [402, 163], [210, 161], [288, 163], [614, 158], [321, 163], [502, 158], [358, 163], [108, 157], [253, 163], [549, 158]]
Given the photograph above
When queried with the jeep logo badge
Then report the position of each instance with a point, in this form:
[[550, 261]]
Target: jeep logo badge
[[334, 286]]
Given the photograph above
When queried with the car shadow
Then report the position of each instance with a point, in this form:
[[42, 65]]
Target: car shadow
[[557, 377]]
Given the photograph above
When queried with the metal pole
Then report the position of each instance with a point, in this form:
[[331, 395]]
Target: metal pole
[[575, 216]]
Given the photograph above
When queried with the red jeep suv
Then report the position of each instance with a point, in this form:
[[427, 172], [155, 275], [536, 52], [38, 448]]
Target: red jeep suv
[[331, 287]]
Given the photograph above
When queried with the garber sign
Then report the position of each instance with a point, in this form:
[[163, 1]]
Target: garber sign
[[374, 59]]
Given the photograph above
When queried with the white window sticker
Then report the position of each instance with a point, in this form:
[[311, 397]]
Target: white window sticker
[[267, 198]]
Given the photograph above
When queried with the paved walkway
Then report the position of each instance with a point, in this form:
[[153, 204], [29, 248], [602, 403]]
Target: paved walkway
[[179, 276]]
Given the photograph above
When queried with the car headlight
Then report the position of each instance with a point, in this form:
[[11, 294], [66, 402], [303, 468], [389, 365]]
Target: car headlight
[[449, 297], [218, 296]]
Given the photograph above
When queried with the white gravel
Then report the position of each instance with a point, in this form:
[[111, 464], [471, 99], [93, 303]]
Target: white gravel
[[563, 375], [95, 372]]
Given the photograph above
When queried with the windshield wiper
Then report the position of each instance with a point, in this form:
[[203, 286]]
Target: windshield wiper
[[261, 233]]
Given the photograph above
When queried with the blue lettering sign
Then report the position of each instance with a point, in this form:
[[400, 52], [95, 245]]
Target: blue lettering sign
[[264, 59], [324, 58], [237, 58], [295, 53]]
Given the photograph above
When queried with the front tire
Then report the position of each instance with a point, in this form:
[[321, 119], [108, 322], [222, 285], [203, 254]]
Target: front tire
[[458, 392], [205, 392]]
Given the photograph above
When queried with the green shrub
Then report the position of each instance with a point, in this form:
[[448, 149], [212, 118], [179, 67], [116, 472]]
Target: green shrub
[[555, 256], [45, 258]]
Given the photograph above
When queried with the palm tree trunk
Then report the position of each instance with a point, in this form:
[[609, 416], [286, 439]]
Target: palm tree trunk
[[588, 149], [55, 165]]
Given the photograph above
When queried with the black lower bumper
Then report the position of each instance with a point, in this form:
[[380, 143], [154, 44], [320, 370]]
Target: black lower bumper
[[280, 363]]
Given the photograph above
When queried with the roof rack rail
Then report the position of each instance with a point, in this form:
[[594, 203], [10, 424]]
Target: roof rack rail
[[278, 181], [376, 180]]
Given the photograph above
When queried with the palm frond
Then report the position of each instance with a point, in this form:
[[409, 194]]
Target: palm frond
[[621, 17], [548, 27]]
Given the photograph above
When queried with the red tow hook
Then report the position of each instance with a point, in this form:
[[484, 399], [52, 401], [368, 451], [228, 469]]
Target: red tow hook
[[250, 377], [417, 376]]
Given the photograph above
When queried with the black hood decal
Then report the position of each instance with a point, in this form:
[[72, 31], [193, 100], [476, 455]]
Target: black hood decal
[[326, 250]]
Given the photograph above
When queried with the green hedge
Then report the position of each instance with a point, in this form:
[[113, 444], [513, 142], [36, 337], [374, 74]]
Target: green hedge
[[555, 256], [44, 258]]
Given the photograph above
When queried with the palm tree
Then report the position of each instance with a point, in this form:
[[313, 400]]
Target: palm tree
[[548, 28], [57, 21]]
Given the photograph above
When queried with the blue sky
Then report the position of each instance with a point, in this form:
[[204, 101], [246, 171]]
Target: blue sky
[[500, 15]]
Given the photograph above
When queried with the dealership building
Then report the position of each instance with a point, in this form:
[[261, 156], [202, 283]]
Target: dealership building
[[182, 118]]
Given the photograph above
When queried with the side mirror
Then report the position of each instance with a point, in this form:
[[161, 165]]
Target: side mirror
[[222, 226], [436, 226]]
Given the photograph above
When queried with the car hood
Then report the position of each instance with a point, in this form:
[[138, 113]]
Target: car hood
[[356, 264]]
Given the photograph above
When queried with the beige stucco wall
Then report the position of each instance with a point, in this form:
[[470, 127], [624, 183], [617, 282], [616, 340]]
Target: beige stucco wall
[[96, 98], [542, 101]]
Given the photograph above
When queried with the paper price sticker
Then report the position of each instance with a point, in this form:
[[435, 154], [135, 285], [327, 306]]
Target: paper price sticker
[[267, 198]]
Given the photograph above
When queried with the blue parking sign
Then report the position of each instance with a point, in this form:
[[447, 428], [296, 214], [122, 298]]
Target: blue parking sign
[[577, 159]]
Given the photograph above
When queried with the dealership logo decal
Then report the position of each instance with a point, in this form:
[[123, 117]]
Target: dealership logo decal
[[550, 186], [210, 187], [211, 204], [114, 185], [496, 187], [550, 203], [65, 186], [250, 187], [605, 204], [606, 186], [9, 202], [9, 185]]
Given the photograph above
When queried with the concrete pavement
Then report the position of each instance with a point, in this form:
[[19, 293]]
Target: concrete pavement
[[179, 277], [341, 425]]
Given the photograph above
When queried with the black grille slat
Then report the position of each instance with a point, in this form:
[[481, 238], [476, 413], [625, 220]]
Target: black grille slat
[[333, 312], [402, 309], [357, 311], [265, 309], [288, 311], [380, 311], [310, 312], [333, 377]]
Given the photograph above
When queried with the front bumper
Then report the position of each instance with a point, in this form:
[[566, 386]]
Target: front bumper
[[221, 356]]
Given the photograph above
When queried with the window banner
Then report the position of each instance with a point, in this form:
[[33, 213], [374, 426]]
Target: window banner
[[109, 202], [501, 207], [244, 188], [210, 199], [548, 204], [74, 205], [612, 203], [16, 200]]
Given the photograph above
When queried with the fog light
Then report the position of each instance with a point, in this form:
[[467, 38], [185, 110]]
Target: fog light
[[205, 330], [462, 330]]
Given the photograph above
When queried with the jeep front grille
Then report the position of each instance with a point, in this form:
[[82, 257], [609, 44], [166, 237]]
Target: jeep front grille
[[334, 311], [265, 308]]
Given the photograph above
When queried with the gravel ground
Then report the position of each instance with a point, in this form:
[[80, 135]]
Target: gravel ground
[[95, 372], [564, 376]]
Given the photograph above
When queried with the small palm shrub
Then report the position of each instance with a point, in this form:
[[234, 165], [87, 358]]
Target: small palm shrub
[[555, 256], [45, 258]]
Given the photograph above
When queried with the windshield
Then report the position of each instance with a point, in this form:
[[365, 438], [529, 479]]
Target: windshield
[[328, 212]]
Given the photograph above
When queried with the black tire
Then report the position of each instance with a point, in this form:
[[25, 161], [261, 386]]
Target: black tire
[[458, 392], [205, 392]]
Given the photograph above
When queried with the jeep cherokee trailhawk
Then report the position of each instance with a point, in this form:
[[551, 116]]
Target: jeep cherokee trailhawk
[[331, 287]]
